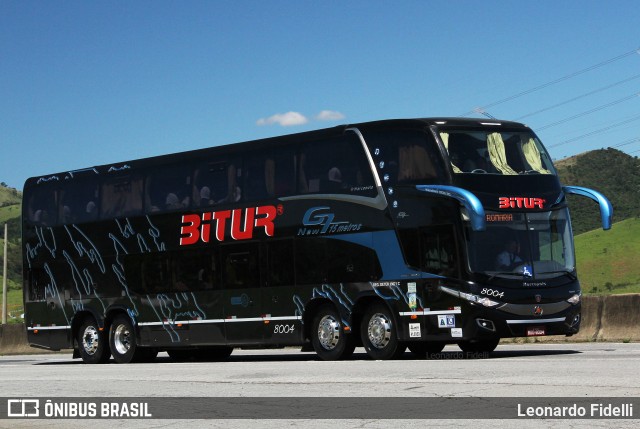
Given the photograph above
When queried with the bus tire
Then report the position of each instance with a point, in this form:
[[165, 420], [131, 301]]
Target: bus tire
[[484, 346], [379, 334], [92, 343], [425, 349], [328, 337], [122, 341]]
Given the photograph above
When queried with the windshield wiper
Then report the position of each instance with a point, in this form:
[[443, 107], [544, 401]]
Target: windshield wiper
[[504, 273], [568, 273]]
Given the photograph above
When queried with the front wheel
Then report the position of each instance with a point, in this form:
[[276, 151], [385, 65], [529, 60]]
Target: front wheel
[[328, 337], [92, 343], [379, 334], [122, 340]]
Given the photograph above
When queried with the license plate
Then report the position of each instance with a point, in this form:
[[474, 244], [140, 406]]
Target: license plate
[[536, 331]]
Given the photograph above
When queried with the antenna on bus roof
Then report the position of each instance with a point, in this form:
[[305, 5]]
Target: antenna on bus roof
[[483, 112]]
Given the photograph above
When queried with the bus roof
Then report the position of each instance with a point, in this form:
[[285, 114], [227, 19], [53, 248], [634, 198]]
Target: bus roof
[[243, 147]]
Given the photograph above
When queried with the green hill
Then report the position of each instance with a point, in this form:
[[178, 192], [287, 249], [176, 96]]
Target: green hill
[[610, 171], [608, 261]]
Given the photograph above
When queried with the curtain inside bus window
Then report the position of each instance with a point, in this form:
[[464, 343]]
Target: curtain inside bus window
[[497, 154], [405, 156], [532, 155], [438, 250], [122, 196], [445, 140], [414, 163]]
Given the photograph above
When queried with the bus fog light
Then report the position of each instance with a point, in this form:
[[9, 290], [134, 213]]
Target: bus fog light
[[576, 320], [486, 324]]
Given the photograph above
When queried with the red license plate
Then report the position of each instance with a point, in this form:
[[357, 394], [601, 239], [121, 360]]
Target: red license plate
[[536, 331]]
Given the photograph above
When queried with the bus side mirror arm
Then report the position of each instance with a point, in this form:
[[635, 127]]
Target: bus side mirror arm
[[606, 209], [466, 198]]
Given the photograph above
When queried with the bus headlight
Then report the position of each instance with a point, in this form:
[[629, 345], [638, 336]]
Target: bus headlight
[[574, 300], [487, 302]]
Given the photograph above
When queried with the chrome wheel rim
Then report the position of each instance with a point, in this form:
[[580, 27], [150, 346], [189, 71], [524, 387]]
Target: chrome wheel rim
[[379, 330], [328, 332], [122, 339], [90, 340]]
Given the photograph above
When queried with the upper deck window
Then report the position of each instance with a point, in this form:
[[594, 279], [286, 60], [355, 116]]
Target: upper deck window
[[496, 152], [405, 156], [337, 165], [122, 196], [168, 188]]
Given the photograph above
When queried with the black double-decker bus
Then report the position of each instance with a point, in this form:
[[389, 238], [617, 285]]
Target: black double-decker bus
[[390, 235]]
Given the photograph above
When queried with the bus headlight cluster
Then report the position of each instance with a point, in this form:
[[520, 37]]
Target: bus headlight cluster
[[575, 299], [475, 299]]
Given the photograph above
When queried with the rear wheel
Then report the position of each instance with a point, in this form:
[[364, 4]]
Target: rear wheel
[[328, 337], [425, 349], [122, 341], [484, 346], [379, 334], [92, 343]]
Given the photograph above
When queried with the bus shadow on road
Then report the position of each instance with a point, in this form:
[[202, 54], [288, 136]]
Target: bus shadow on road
[[296, 356]]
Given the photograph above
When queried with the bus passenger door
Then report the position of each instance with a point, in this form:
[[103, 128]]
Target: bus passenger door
[[241, 282]]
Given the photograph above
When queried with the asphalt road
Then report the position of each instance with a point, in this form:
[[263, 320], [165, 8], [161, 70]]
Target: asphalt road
[[529, 370]]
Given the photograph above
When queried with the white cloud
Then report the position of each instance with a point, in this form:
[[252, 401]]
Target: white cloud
[[329, 115], [288, 119]]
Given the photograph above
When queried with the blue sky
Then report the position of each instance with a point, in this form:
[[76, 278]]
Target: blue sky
[[90, 83]]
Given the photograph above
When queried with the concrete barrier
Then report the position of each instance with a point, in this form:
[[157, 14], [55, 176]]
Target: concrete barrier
[[13, 340], [620, 318], [604, 318]]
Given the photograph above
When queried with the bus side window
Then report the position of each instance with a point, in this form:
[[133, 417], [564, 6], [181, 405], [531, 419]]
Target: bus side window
[[281, 256], [438, 251], [311, 261], [194, 270], [255, 183], [168, 188], [122, 196], [42, 209], [156, 272], [38, 281], [405, 156], [338, 165], [78, 202], [280, 172], [240, 267], [216, 182], [350, 262]]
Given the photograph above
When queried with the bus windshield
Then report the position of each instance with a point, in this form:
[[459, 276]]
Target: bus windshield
[[523, 245], [492, 152]]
